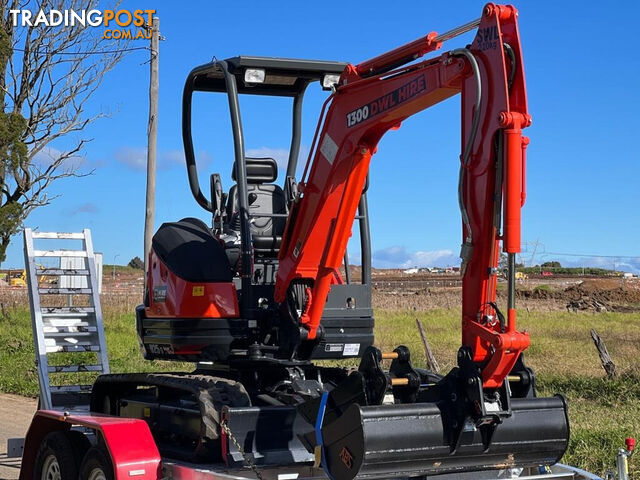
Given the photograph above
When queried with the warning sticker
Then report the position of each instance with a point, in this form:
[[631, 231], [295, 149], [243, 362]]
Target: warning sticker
[[329, 148], [351, 349], [198, 291], [160, 293]]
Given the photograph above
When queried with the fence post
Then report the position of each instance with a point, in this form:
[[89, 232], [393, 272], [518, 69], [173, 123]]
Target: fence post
[[606, 360], [432, 363]]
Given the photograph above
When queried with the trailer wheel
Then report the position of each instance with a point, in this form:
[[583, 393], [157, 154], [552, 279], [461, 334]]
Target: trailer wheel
[[56, 459], [96, 465]]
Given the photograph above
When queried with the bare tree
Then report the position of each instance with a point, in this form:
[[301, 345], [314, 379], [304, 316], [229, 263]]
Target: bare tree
[[47, 75]]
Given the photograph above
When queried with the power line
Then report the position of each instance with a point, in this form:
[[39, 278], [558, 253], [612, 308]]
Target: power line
[[98, 52], [590, 255]]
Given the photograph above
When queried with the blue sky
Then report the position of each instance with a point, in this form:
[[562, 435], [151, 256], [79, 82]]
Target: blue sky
[[583, 166]]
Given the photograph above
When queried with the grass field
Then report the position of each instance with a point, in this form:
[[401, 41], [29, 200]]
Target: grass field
[[602, 412]]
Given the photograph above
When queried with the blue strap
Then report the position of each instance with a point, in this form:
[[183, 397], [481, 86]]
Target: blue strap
[[319, 440]]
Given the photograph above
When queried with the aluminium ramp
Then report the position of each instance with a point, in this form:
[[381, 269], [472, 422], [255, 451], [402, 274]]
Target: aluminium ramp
[[68, 330]]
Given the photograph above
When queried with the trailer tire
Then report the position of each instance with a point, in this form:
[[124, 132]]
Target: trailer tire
[[56, 458], [80, 444], [96, 465]]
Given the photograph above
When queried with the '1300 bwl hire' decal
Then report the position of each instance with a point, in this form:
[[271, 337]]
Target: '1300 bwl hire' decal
[[384, 103]]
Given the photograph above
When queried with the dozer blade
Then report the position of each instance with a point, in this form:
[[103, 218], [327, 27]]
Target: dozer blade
[[410, 440]]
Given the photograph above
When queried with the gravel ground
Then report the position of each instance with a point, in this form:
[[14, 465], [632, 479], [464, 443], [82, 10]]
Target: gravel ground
[[15, 417]]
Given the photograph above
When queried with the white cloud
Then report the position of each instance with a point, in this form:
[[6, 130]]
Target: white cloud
[[133, 157], [171, 158], [280, 155], [85, 208], [203, 159], [45, 157], [399, 257], [136, 158]]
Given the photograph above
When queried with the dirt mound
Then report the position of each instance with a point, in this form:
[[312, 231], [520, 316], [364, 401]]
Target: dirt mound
[[600, 295], [603, 295]]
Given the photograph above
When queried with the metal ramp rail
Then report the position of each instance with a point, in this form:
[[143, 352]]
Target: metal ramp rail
[[68, 330]]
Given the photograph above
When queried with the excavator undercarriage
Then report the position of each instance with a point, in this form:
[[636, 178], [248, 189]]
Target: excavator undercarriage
[[369, 423], [262, 294]]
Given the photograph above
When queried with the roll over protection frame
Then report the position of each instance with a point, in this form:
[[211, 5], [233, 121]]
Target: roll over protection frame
[[221, 76]]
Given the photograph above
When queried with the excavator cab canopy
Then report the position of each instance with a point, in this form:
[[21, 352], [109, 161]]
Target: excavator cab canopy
[[250, 219], [285, 77]]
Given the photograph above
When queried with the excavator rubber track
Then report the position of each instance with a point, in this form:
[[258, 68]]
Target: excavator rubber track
[[182, 410]]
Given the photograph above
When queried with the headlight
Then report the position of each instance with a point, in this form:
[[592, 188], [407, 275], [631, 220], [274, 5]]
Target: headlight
[[330, 80], [254, 75]]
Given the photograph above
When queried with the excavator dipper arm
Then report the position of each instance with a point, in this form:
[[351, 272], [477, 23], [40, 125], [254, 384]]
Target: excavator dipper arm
[[378, 95]]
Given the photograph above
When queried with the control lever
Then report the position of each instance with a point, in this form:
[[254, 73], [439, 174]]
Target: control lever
[[217, 198], [291, 190]]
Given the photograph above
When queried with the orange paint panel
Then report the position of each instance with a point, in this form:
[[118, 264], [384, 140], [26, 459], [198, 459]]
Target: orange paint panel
[[174, 297]]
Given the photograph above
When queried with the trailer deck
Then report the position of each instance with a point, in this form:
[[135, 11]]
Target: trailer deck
[[182, 471], [134, 455]]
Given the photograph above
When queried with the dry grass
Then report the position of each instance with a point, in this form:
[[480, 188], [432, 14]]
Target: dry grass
[[602, 412]]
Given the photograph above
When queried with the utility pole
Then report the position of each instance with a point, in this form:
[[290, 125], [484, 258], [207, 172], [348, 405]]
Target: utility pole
[[152, 132], [114, 265]]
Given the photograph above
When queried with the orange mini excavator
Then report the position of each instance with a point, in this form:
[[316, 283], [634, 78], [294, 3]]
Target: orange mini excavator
[[255, 297]]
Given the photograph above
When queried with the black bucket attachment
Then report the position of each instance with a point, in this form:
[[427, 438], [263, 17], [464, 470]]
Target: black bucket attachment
[[408, 440]]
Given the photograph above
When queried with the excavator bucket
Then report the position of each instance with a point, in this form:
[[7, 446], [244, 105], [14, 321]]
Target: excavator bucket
[[409, 440], [435, 425]]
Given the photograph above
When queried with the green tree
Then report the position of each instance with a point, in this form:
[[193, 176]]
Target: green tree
[[136, 263], [13, 153], [553, 264], [47, 74]]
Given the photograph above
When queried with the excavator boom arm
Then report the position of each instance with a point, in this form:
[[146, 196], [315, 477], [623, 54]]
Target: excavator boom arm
[[378, 95]]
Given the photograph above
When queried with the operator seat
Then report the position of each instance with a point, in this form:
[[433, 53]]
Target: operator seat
[[264, 198]]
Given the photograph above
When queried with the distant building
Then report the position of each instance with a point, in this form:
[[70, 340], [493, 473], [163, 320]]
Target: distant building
[[411, 271]]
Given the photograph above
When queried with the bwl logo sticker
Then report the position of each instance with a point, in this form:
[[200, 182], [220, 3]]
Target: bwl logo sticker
[[487, 38], [346, 457], [384, 103]]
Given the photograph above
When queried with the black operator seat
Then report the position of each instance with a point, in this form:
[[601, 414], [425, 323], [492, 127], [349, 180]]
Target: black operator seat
[[264, 198]]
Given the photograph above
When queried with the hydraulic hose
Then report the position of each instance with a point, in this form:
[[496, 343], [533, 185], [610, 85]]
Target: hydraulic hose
[[467, 246], [512, 58]]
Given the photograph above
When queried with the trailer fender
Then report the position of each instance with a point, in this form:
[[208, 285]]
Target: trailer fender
[[129, 443]]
